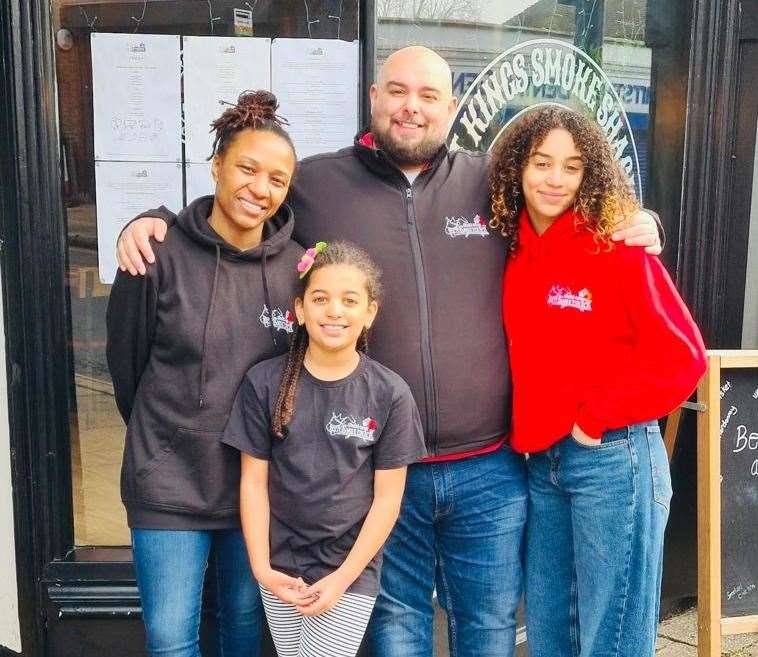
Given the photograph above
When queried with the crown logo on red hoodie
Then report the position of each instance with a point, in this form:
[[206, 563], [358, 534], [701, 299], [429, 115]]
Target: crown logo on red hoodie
[[563, 297]]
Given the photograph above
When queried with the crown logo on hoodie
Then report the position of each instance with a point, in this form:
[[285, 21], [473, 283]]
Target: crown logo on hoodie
[[563, 297], [465, 227], [283, 320]]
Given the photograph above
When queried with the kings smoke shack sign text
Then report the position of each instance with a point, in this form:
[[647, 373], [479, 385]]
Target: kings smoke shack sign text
[[508, 87]]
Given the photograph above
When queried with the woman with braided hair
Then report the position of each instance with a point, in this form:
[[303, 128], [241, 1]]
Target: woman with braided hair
[[180, 339], [325, 434]]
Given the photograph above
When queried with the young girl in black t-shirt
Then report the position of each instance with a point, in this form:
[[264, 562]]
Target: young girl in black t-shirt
[[326, 434]]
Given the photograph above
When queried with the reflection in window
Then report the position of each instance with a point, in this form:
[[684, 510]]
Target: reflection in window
[[470, 34]]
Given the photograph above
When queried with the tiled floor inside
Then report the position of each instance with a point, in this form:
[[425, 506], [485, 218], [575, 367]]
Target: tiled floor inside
[[96, 450]]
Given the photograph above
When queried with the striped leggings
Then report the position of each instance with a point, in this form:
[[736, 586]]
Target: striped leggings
[[335, 633]]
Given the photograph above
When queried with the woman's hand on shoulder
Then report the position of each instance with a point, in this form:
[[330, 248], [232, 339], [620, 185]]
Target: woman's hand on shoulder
[[324, 594], [133, 247], [285, 587]]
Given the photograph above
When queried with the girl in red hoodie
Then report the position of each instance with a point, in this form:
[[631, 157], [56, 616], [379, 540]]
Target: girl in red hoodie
[[601, 344]]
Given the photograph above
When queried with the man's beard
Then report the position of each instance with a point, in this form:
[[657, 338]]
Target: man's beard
[[405, 154]]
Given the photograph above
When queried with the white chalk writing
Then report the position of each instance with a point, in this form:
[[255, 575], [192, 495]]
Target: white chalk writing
[[745, 440], [740, 591], [725, 421]]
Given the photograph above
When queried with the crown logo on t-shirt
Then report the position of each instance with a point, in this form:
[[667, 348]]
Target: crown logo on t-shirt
[[347, 426]]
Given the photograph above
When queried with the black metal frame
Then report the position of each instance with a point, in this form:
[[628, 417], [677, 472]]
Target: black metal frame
[[11, 299], [367, 27], [36, 310], [56, 581], [741, 173], [706, 240]]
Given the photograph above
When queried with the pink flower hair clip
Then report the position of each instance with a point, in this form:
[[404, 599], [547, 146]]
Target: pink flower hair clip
[[306, 261]]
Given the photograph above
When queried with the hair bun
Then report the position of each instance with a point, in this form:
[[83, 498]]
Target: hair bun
[[255, 109], [261, 103]]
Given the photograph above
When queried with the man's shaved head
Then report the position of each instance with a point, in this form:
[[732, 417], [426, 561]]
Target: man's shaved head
[[412, 104], [436, 69]]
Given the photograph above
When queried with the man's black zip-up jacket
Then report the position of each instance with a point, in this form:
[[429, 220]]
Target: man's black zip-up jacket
[[439, 324], [180, 339]]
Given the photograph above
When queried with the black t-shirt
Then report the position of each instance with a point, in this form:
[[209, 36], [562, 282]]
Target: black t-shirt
[[321, 476]]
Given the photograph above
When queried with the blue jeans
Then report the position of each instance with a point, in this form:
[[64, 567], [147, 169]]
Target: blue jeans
[[460, 528], [594, 546], [170, 567]]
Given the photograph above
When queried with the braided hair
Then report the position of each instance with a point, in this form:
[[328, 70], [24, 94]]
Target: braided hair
[[255, 110], [336, 253]]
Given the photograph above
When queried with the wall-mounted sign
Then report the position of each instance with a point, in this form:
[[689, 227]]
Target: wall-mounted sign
[[515, 81], [243, 22]]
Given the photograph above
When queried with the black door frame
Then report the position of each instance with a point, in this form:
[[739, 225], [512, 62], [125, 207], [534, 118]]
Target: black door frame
[[741, 179], [11, 299], [36, 312], [709, 248]]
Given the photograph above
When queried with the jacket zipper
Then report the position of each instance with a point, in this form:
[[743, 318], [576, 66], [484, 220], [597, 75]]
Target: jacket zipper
[[426, 345]]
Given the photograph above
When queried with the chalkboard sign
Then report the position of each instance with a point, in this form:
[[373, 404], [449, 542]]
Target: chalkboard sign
[[727, 499], [739, 491]]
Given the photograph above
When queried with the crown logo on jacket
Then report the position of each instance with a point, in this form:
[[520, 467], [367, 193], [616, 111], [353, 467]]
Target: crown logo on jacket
[[464, 227]]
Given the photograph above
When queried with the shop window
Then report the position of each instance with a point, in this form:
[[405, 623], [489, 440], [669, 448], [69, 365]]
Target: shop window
[[472, 35], [94, 182]]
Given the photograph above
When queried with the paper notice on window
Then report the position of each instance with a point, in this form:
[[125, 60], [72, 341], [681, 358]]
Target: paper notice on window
[[136, 89], [124, 190], [199, 180], [216, 71], [316, 82]]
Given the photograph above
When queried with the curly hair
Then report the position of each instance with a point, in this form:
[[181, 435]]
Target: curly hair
[[604, 195], [336, 253], [255, 110]]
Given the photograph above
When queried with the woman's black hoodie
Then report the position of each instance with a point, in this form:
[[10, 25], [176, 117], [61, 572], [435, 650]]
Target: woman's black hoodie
[[180, 340]]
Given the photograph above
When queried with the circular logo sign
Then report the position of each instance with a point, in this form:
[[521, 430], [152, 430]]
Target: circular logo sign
[[513, 83]]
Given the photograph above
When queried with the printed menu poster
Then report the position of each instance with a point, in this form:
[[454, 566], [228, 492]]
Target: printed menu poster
[[199, 180], [124, 190], [316, 82], [137, 97], [216, 71]]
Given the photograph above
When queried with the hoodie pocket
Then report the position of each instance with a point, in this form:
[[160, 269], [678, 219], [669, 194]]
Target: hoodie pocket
[[195, 473]]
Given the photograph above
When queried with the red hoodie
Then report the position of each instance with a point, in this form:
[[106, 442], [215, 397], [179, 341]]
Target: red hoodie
[[598, 338]]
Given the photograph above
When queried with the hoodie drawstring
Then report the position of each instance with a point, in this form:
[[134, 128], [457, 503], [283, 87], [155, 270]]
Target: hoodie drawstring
[[201, 399], [267, 298]]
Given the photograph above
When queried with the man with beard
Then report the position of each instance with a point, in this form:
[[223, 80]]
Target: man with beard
[[421, 211]]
